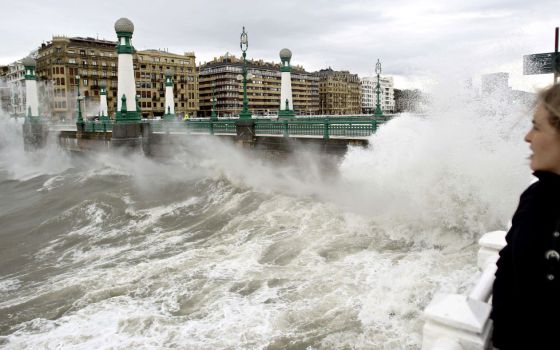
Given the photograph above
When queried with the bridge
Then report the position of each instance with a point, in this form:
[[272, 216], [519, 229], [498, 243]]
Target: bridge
[[326, 127], [329, 134]]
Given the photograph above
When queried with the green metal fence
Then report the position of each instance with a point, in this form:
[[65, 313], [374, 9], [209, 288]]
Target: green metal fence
[[295, 127], [223, 127], [98, 126]]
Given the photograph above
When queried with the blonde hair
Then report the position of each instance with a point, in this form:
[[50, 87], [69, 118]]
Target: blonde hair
[[550, 99]]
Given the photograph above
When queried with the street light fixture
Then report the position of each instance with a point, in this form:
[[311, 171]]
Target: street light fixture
[[378, 112], [244, 44], [213, 115], [80, 118]]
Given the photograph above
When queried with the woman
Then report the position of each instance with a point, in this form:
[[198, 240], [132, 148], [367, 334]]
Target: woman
[[526, 297]]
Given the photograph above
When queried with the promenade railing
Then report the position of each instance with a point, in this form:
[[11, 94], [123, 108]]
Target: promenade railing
[[461, 322], [98, 126], [319, 128], [309, 126]]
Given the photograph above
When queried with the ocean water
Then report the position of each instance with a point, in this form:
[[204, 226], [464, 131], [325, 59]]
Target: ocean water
[[217, 249]]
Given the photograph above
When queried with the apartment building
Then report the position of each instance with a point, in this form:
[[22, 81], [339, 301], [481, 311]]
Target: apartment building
[[386, 96], [221, 78], [339, 92], [95, 61], [13, 89]]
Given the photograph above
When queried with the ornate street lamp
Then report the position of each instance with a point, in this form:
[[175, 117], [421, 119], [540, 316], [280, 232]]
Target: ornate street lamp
[[213, 116], [244, 44], [378, 112], [80, 119]]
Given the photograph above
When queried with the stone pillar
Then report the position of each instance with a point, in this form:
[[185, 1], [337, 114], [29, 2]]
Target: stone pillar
[[126, 130], [245, 130], [31, 95], [286, 101], [103, 110], [169, 98], [35, 130]]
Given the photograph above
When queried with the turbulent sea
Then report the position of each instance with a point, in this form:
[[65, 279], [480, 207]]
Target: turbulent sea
[[218, 249]]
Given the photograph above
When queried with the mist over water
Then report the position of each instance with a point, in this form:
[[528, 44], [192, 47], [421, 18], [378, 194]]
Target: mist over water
[[216, 249]]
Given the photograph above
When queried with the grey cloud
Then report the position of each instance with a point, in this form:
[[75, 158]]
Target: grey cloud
[[411, 38]]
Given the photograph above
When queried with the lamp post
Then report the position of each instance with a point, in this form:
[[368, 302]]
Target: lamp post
[[80, 119], [244, 44], [378, 112], [213, 116]]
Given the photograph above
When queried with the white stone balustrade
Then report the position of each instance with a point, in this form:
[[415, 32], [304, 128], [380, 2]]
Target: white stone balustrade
[[462, 322]]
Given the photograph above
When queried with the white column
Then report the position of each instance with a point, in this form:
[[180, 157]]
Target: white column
[[286, 91], [31, 98], [169, 100], [126, 83], [103, 110]]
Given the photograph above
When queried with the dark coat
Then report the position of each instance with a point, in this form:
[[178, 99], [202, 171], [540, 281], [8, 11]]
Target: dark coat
[[526, 299]]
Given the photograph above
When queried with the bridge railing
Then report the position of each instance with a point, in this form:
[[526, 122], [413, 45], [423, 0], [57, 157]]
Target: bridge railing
[[325, 128], [98, 126], [461, 322], [320, 128]]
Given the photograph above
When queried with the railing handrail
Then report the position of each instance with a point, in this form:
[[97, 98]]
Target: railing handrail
[[457, 321], [482, 290]]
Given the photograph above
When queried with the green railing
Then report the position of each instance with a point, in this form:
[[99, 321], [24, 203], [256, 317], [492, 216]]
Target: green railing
[[295, 127], [318, 128], [98, 126], [223, 127]]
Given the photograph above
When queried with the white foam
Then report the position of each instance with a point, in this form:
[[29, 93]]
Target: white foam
[[9, 285]]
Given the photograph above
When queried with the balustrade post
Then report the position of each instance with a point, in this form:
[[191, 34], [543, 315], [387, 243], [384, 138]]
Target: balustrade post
[[286, 133], [463, 321], [211, 127], [326, 129]]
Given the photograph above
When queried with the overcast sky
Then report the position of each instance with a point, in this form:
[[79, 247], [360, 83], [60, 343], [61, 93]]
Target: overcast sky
[[420, 43]]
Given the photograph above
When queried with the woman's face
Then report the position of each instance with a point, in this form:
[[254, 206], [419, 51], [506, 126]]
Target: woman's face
[[544, 141]]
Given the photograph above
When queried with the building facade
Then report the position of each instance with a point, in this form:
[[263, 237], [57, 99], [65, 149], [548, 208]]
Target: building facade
[[61, 60], [386, 96], [150, 67], [4, 91], [13, 95], [340, 92], [219, 78]]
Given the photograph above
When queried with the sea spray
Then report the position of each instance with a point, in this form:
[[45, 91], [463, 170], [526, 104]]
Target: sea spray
[[218, 249]]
